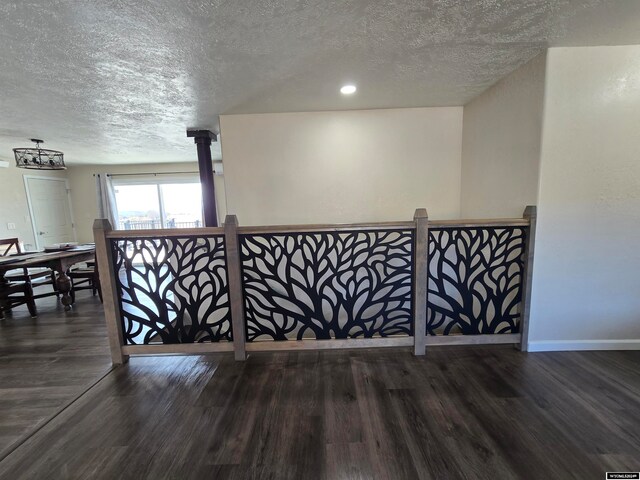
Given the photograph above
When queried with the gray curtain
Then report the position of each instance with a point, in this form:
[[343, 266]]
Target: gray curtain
[[107, 207]]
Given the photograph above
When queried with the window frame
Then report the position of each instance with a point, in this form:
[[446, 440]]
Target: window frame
[[157, 180]]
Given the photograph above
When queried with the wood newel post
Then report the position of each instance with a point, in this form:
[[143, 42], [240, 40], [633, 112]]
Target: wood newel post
[[420, 281], [104, 257], [530, 213], [235, 286]]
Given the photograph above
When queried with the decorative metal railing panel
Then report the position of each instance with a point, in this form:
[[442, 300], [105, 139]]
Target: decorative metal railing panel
[[475, 280], [172, 289], [348, 284]]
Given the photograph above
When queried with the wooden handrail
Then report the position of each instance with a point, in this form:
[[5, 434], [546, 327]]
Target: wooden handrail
[[311, 228], [494, 222], [339, 227]]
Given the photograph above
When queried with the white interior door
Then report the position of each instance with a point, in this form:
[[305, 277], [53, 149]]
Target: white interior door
[[50, 210]]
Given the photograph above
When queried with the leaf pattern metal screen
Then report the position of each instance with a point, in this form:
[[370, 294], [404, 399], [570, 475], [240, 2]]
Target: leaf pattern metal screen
[[319, 285], [327, 285], [475, 280], [172, 290]]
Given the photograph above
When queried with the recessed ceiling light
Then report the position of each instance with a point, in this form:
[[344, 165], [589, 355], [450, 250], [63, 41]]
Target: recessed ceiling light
[[348, 89]]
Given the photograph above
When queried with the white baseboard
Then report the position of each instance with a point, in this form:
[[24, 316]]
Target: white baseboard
[[568, 345]]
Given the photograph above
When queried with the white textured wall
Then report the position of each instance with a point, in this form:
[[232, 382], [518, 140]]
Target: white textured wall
[[83, 190], [501, 145], [342, 167], [586, 291], [14, 207]]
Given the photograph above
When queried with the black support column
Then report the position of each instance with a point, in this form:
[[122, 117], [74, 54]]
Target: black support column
[[202, 139]]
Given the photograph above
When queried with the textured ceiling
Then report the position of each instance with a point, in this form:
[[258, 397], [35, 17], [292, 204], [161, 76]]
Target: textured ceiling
[[119, 81]]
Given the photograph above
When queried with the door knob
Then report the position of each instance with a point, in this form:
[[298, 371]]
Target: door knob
[[41, 233]]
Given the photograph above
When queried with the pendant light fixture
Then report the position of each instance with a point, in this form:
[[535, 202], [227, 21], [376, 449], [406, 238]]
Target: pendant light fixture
[[39, 158]]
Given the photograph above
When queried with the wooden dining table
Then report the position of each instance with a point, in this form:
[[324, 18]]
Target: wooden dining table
[[59, 261]]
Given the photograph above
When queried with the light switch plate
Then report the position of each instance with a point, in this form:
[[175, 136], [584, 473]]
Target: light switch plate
[[11, 226]]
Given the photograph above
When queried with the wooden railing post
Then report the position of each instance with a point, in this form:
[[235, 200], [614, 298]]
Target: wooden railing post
[[104, 257], [235, 286], [420, 281], [529, 214]]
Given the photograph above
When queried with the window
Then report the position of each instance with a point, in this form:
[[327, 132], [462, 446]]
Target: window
[[150, 203]]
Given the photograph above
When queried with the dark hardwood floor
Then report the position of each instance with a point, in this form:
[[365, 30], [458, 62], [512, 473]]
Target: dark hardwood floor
[[45, 363], [460, 412]]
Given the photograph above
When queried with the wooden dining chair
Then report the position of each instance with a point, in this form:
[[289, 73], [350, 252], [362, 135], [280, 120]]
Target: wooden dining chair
[[85, 278], [16, 294], [15, 290], [35, 277]]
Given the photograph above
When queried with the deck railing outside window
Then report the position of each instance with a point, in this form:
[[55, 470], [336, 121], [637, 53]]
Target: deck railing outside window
[[152, 224]]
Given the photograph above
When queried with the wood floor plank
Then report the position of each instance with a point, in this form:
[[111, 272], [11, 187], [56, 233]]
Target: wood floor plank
[[47, 362], [516, 437], [457, 413], [343, 418], [384, 439], [349, 461]]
